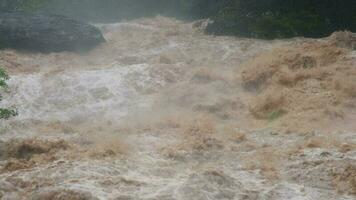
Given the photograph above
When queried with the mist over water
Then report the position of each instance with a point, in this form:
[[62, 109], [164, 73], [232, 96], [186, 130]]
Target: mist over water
[[111, 11], [157, 112]]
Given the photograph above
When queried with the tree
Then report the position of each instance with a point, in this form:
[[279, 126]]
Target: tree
[[5, 113]]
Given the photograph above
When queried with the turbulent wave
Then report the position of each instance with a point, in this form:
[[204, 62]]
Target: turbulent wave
[[162, 111]]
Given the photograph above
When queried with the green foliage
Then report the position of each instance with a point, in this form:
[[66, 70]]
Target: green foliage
[[284, 18], [250, 18], [3, 78], [5, 113], [26, 5]]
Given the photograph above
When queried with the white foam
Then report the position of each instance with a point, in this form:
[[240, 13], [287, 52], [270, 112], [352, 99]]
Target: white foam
[[72, 95]]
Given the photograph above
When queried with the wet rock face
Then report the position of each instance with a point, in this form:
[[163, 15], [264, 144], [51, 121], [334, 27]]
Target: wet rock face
[[46, 33]]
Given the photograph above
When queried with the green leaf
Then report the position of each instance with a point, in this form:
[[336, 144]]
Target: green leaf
[[5, 113]]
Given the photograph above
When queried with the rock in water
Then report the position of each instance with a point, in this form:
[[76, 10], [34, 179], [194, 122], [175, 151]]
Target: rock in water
[[46, 33]]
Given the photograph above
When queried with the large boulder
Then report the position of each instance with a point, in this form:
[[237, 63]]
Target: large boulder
[[46, 33]]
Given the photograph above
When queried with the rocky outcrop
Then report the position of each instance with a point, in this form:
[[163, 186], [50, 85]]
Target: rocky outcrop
[[46, 33]]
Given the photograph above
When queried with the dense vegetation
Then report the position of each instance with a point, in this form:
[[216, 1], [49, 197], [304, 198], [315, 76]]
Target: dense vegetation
[[284, 18], [21, 4], [250, 18], [5, 113]]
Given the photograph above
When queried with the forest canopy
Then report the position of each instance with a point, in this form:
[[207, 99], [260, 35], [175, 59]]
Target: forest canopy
[[248, 18]]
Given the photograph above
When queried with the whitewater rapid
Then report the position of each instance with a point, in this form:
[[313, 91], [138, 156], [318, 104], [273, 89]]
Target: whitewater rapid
[[134, 113]]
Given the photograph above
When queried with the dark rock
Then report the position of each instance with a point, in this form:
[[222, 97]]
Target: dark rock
[[46, 33]]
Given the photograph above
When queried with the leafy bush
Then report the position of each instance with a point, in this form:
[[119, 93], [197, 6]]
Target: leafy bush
[[5, 113]]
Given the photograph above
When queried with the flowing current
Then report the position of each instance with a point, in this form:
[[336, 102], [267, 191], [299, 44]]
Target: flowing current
[[132, 115]]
